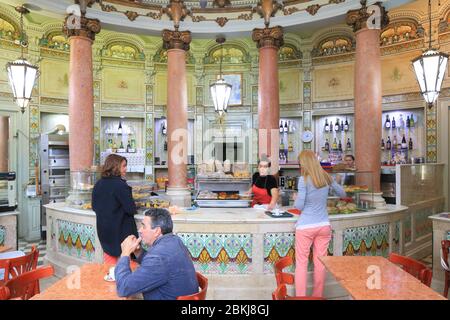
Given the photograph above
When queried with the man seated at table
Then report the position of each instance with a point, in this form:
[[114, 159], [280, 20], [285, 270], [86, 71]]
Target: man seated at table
[[166, 270]]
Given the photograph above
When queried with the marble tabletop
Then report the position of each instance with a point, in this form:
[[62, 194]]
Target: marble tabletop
[[376, 278], [4, 249]]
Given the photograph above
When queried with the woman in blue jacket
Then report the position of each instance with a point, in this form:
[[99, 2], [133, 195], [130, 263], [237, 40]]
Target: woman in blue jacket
[[113, 203]]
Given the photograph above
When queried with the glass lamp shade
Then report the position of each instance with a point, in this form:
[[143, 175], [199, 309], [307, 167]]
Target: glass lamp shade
[[22, 76], [220, 93], [430, 69]]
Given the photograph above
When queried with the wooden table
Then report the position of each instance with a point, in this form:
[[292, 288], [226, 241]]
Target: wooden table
[[356, 274], [91, 286], [4, 249]]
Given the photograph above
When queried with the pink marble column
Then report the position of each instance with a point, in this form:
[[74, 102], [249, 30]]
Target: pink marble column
[[177, 43], [367, 95], [4, 143], [81, 96], [268, 40]]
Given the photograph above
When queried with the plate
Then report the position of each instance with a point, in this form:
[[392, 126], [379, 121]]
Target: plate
[[294, 211], [108, 278]]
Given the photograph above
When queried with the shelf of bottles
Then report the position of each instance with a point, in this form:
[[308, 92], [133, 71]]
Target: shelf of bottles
[[334, 137], [402, 136], [290, 143], [123, 136]]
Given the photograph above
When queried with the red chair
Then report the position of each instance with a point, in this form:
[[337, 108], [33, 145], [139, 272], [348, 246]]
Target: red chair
[[280, 293], [26, 285], [20, 265], [445, 247], [413, 267], [201, 295], [280, 276], [4, 264], [4, 293]]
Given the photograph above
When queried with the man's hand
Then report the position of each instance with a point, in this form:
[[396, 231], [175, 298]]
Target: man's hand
[[129, 245]]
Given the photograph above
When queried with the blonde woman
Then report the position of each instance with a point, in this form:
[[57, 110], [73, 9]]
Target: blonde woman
[[313, 226]]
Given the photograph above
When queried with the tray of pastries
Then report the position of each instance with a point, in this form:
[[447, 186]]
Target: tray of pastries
[[209, 199]]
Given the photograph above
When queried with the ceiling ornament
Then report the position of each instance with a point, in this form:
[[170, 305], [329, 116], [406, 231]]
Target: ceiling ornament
[[267, 9], [177, 11]]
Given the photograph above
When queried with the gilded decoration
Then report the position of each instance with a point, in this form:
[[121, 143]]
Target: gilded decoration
[[89, 27], [177, 11], [8, 30], [267, 9], [176, 39], [161, 56], [333, 46], [221, 21], [358, 18], [122, 51], [268, 37], [55, 41], [221, 3], [312, 9], [229, 54], [444, 24], [400, 31], [288, 52]]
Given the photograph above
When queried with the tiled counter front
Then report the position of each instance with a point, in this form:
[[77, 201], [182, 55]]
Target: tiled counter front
[[8, 229], [441, 231], [234, 248]]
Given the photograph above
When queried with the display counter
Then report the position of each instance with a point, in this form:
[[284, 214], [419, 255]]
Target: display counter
[[441, 231], [8, 229], [235, 248]]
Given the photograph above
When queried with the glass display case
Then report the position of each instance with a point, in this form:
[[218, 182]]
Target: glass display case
[[145, 197], [358, 186], [8, 200], [80, 192]]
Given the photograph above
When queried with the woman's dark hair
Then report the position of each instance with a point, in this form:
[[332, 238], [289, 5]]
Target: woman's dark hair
[[160, 218], [350, 155], [112, 165], [264, 158]]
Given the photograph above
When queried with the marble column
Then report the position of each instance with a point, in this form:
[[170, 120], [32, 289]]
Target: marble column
[[367, 95], [4, 143], [81, 96], [177, 43], [268, 41]]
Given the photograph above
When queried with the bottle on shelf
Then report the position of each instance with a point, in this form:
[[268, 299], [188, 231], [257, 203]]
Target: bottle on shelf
[[388, 143], [114, 147], [387, 123], [327, 127], [401, 122], [289, 127], [165, 144], [382, 144], [281, 126], [285, 127], [290, 146], [349, 144], [404, 145], [411, 121], [393, 125], [331, 126], [346, 127], [410, 144], [394, 143], [133, 143], [282, 145], [164, 129], [340, 146], [336, 126], [334, 146], [327, 145], [342, 126], [121, 145]]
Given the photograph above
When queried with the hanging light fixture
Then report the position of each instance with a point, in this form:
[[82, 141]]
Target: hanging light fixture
[[430, 68], [22, 74], [220, 90]]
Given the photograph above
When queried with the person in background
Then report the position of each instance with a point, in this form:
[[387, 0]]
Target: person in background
[[114, 207], [313, 226], [264, 186], [166, 270], [349, 161], [347, 178]]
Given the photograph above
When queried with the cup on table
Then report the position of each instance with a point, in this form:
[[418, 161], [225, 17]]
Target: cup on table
[[111, 273]]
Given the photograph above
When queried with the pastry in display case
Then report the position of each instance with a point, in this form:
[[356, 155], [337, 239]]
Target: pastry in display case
[[81, 185], [8, 201], [145, 197], [358, 185]]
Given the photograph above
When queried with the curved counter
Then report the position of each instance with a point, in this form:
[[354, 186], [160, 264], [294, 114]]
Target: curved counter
[[234, 247]]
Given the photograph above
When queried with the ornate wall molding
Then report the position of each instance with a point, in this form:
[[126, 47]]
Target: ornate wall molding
[[268, 37], [176, 39]]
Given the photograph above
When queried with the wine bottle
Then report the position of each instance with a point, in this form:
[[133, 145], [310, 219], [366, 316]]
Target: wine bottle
[[336, 126], [327, 145], [290, 146], [346, 127], [342, 126], [382, 144], [331, 126], [334, 146], [128, 146], [340, 146], [285, 127], [289, 127], [164, 129], [408, 122], [388, 143], [121, 145], [393, 123], [281, 126], [401, 122], [133, 143], [387, 123], [349, 145], [411, 121], [165, 145], [410, 144], [327, 127], [394, 143], [282, 145], [404, 145]]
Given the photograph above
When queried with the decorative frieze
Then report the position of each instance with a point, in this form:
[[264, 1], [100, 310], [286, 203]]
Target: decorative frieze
[[268, 37], [358, 18], [123, 107]]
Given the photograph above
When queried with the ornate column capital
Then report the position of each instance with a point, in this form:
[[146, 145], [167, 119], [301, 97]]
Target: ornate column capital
[[176, 39], [81, 26], [358, 18], [268, 37]]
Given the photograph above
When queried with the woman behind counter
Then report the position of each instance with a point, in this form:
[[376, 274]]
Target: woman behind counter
[[313, 226], [264, 186], [113, 203]]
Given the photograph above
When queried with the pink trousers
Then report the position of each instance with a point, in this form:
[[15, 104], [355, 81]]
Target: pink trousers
[[319, 238]]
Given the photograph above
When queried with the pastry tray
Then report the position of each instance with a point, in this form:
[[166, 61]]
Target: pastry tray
[[212, 203]]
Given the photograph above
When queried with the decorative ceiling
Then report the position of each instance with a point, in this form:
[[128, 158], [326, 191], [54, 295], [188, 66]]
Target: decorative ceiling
[[207, 17]]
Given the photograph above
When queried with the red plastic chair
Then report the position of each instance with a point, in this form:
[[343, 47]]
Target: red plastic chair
[[280, 276], [26, 285], [413, 267], [201, 295], [445, 247], [280, 293], [4, 293]]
